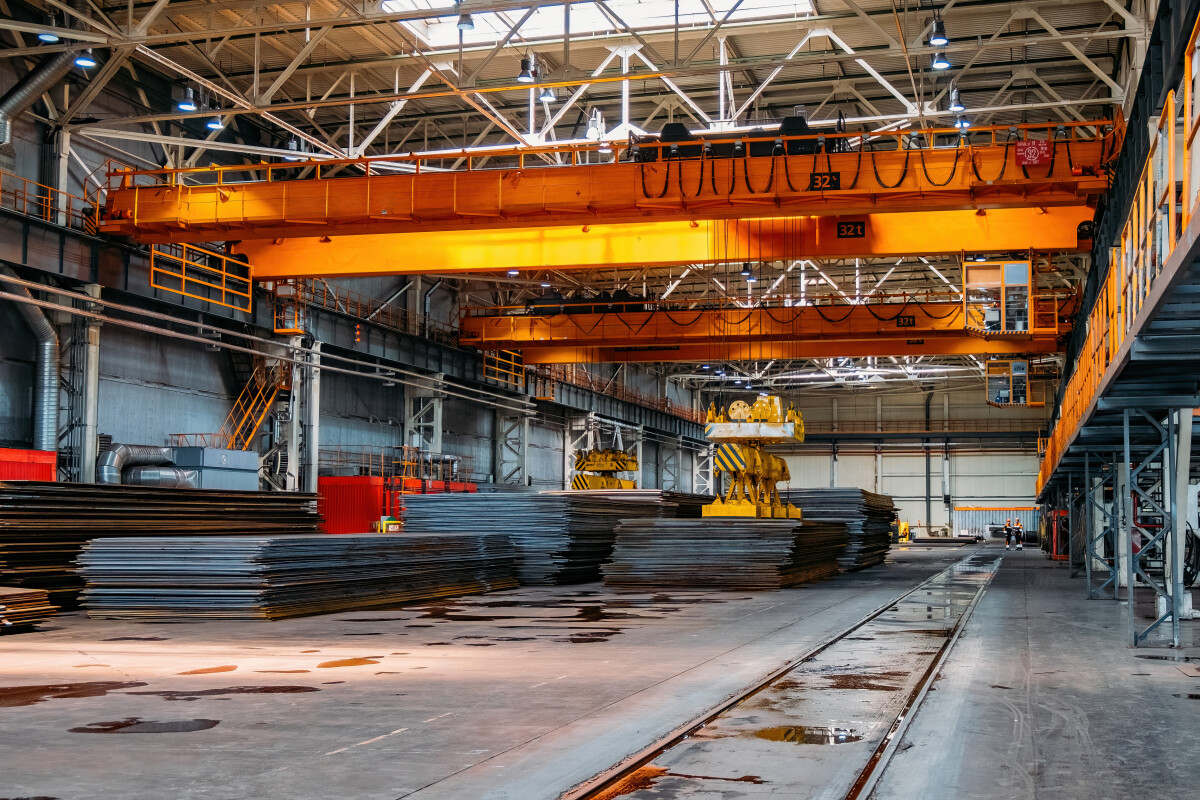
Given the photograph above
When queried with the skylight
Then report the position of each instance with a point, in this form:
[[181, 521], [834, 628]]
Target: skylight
[[586, 19]]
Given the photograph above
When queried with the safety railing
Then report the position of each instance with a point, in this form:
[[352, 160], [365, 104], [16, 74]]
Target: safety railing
[[1147, 240], [319, 293], [201, 274], [1048, 301], [719, 144], [33, 199], [402, 465], [506, 367], [577, 376], [982, 425]]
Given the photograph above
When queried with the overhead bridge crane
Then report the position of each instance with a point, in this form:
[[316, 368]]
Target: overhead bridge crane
[[569, 206], [666, 331]]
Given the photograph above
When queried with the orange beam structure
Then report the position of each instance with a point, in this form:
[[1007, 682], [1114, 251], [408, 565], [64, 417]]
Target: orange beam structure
[[671, 242], [761, 333], [276, 203]]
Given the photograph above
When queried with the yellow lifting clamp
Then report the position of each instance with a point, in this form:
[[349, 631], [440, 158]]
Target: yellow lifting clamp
[[741, 432], [603, 466]]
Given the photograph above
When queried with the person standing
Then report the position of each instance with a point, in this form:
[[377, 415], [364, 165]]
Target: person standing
[[1019, 535], [1008, 534]]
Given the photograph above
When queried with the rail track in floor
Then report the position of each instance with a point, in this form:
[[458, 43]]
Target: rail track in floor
[[826, 724]]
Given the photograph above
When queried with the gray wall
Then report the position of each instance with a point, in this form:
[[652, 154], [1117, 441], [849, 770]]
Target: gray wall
[[16, 379]]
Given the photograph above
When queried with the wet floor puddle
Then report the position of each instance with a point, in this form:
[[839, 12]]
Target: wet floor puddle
[[199, 693], [138, 639], [12, 696], [138, 725], [647, 777], [807, 734]]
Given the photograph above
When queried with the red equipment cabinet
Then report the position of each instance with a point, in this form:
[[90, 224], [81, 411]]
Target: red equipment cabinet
[[354, 503], [28, 465], [350, 504]]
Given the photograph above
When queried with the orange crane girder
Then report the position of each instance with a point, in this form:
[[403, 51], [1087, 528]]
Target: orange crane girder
[[662, 243], [619, 192], [741, 334]]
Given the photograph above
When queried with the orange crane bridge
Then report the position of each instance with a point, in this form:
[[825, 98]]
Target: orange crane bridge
[[570, 206]]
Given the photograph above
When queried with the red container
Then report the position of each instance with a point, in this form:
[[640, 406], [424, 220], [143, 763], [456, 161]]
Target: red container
[[28, 465], [350, 504]]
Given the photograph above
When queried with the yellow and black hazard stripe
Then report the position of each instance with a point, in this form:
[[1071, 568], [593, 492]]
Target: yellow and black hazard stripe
[[729, 458]]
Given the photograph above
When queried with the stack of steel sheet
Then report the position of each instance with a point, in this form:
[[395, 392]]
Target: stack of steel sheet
[[723, 553], [43, 525], [561, 537], [270, 577], [21, 609], [867, 516]]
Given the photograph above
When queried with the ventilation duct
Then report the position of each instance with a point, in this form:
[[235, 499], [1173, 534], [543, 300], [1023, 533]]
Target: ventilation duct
[[45, 390], [112, 463], [161, 477], [41, 79]]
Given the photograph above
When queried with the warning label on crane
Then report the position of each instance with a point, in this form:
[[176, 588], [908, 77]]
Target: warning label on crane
[[1032, 152]]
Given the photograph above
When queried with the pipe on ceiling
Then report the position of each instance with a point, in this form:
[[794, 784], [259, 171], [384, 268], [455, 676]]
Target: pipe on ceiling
[[41, 79]]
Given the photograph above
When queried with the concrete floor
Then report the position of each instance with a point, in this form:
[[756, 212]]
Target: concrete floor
[[521, 695], [1041, 697]]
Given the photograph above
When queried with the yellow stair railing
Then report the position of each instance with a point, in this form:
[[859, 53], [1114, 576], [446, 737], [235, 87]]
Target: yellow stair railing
[[252, 406]]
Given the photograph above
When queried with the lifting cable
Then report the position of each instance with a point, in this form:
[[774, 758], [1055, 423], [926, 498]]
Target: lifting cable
[[953, 167], [666, 181], [903, 173], [1003, 164]]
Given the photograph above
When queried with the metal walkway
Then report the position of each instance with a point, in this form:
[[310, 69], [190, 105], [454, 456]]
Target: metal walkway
[[1120, 454]]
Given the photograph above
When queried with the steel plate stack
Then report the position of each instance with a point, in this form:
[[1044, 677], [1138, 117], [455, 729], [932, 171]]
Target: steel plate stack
[[271, 577], [43, 525], [727, 553], [21, 609], [560, 537], [867, 516]]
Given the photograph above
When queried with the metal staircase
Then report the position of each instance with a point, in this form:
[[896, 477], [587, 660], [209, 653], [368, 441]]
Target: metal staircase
[[254, 404]]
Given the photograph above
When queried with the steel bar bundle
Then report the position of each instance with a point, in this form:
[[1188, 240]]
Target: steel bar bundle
[[271, 577], [725, 552], [560, 537], [866, 515], [21, 609], [43, 525]]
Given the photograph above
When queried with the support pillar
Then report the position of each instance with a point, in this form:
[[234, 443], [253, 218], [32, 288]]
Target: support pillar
[[511, 450], [423, 419], [90, 446]]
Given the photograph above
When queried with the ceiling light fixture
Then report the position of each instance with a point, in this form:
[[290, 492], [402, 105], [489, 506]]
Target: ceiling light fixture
[[48, 36], [528, 72], [595, 128], [188, 103], [547, 95], [465, 23], [962, 123], [956, 103], [938, 38], [85, 59], [545, 285], [512, 273], [940, 61], [294, 146], [215, 124]]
